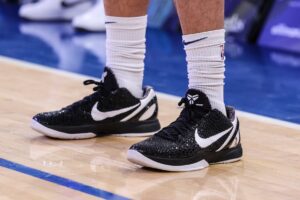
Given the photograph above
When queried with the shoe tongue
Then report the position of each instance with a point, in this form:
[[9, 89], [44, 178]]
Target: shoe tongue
[[109, 80], [198, 99]]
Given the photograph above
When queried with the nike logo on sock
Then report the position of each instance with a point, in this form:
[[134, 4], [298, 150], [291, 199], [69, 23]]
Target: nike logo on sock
[[99, 116], [110, 22], [66, 4], [193, 41], [205, 142]]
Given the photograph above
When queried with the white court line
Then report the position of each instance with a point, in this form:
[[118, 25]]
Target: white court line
[[252, 116]]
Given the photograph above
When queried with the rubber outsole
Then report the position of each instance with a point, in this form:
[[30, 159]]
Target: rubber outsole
[[77, 136], [138, 158], [59, 135]]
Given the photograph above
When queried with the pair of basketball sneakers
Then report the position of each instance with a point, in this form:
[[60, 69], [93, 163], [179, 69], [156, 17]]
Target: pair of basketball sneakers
[[200, 136]]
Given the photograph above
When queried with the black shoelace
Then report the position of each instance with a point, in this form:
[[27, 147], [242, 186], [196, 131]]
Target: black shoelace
[[99, 84], [99, 88], [185, 122]]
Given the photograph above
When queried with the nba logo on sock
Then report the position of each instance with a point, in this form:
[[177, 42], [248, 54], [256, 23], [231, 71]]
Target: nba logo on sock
[[222, 52]]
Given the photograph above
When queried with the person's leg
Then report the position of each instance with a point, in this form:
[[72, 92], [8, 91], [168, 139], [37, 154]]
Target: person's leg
[[126, 8], [118, 105], [126, 22], [198, 16], [202, 23], [205, 132]]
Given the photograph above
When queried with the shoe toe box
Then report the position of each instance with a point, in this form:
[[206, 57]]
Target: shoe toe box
[[145, 147], [40, 11], [43, 118], [153, 147], [164, 148], [50, 118], [32, 11], [26, 11], [86, 23]]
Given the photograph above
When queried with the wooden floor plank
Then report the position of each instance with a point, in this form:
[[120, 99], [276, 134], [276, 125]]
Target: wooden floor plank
[[270, 168]]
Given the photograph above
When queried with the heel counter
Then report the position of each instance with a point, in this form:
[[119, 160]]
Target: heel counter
[[151, 111], [155, 102], [237, 138]]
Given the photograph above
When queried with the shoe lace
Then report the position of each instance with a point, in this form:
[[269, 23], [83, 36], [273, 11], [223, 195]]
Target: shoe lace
[[185, 122], [99, 89], [99, 84]]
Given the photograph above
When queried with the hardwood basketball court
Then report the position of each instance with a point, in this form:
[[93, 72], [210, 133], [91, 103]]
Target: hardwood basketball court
[[35, 167]]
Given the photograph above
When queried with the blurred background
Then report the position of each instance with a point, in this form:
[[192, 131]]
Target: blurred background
[[262, 47]]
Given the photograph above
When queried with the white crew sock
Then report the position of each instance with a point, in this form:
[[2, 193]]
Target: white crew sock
[[125, 51], [205, 58]]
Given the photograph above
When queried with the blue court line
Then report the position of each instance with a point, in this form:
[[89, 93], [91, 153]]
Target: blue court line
[[60, 180]]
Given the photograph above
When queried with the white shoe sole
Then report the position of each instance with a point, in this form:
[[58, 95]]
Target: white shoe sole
[[138, 158], [77, 136], [59, 135]]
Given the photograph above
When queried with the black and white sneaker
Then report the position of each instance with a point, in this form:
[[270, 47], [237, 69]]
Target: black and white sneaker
[[109, 110], [200, 136]]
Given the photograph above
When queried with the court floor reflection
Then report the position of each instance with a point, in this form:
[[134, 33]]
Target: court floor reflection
[[104, 157]]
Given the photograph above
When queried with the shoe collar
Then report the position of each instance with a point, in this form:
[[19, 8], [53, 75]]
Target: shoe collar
[[109, 80]]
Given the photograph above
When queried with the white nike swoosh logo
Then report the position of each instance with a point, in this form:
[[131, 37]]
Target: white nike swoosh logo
[[144, 102], [205, 142], [98, 115], [230, 135]]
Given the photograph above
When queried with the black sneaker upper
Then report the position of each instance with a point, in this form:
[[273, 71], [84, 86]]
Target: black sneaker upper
[[177, 140], [109, 97]]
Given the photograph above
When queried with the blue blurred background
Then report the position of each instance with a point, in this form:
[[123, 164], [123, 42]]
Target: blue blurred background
[[262, 51]]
